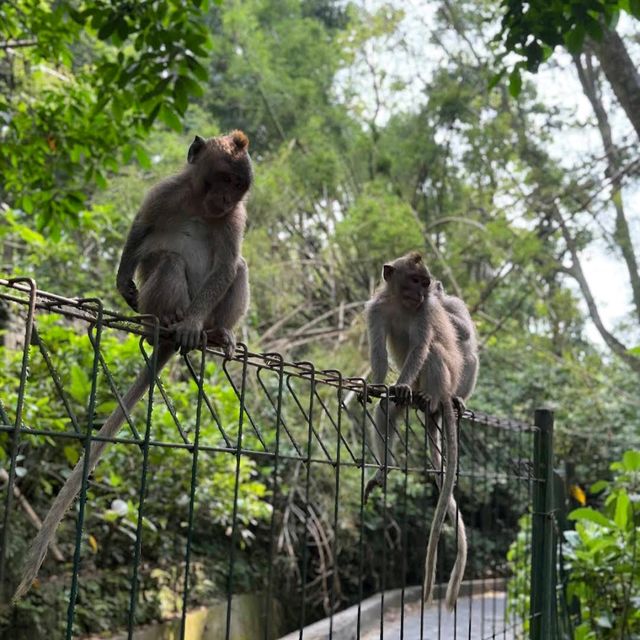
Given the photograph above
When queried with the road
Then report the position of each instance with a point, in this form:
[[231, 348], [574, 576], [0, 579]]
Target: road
[[480, 618]]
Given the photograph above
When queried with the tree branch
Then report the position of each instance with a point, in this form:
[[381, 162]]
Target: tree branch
[[578, 274]]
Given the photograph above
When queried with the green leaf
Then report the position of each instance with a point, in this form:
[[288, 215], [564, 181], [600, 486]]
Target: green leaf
[[29, 235], [108, 28], [598, 486], [575, 39], [143, 157], [180, 95], [80, 384], [71, 454], [27, 203], [170, 118], [622, 510], [590, 515], [515, 83], [631, 460]]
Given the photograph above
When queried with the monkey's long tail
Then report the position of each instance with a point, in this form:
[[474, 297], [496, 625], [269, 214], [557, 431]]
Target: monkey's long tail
[[457, 573], [71, 488], [444, 502]]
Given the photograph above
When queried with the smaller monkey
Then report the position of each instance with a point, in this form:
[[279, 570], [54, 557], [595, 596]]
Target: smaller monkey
[[406, 314], [182, 263]]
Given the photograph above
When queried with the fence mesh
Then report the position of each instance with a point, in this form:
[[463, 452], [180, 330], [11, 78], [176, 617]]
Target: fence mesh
[[241, 482]]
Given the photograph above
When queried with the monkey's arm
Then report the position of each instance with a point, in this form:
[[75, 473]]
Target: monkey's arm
[[129, 262], [419, 344], [377, 345], [188, 332]]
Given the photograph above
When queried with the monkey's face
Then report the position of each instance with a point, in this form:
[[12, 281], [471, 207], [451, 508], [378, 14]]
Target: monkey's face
[[414, 288], [223, 190], [410, 282], [222, 172]]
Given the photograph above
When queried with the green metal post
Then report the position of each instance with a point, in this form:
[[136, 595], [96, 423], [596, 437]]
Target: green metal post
[[543, 536]]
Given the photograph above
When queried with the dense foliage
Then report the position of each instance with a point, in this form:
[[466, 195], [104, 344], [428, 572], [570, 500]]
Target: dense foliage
[[597, 561], [356, 161]]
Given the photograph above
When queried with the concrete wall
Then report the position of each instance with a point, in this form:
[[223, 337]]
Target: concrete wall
[[210, 623]]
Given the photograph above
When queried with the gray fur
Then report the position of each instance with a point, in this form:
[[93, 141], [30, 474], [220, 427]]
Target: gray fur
[[406, 315], [467, 340]]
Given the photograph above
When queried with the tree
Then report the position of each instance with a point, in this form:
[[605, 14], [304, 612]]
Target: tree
[[532, 30], [80, 87]]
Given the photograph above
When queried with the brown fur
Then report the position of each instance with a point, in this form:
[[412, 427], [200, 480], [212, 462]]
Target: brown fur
[[182, 263]]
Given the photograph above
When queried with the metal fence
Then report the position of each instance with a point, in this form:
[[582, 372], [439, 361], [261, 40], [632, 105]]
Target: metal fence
[[248, 485]]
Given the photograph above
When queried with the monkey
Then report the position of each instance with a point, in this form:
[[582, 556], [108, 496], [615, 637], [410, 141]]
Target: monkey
[[182, 263], [468, 343], [406, 313], [467, 340]]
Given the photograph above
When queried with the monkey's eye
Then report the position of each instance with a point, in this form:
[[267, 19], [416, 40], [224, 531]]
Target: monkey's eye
[[415, 280], [426, 282]]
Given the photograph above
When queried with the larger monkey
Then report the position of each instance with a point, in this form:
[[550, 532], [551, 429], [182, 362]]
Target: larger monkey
[[406, 313], [184, 251]]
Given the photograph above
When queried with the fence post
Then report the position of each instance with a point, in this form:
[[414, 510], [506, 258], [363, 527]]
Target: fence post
[[543, 536]]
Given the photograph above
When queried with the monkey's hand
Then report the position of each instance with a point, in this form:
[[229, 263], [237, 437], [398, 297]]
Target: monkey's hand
[[401, 393], [188, 334], [129, 292]]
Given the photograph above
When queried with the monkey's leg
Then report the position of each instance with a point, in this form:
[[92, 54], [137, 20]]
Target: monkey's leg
[[164, 291], [469, 376], [229, 311], [382, 444]]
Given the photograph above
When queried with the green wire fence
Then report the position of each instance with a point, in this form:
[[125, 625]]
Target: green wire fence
[[285, 443]]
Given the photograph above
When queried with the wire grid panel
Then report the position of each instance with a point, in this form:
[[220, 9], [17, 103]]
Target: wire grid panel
[[303, 433]]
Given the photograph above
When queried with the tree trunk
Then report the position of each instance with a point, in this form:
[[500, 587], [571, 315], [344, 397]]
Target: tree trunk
[[590, 85], [621, 73]]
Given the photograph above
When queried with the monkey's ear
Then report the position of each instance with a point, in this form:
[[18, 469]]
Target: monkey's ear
[[196, 146], [387, 272], [240, 139]]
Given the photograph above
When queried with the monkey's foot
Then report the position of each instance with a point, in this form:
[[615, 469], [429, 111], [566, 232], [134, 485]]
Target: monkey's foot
[[224, 339], [421, 401], [376, 481], [187, 334], [401, 393], [169, 319]]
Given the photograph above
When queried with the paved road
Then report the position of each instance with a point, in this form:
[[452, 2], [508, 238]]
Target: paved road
[[486, 614]]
